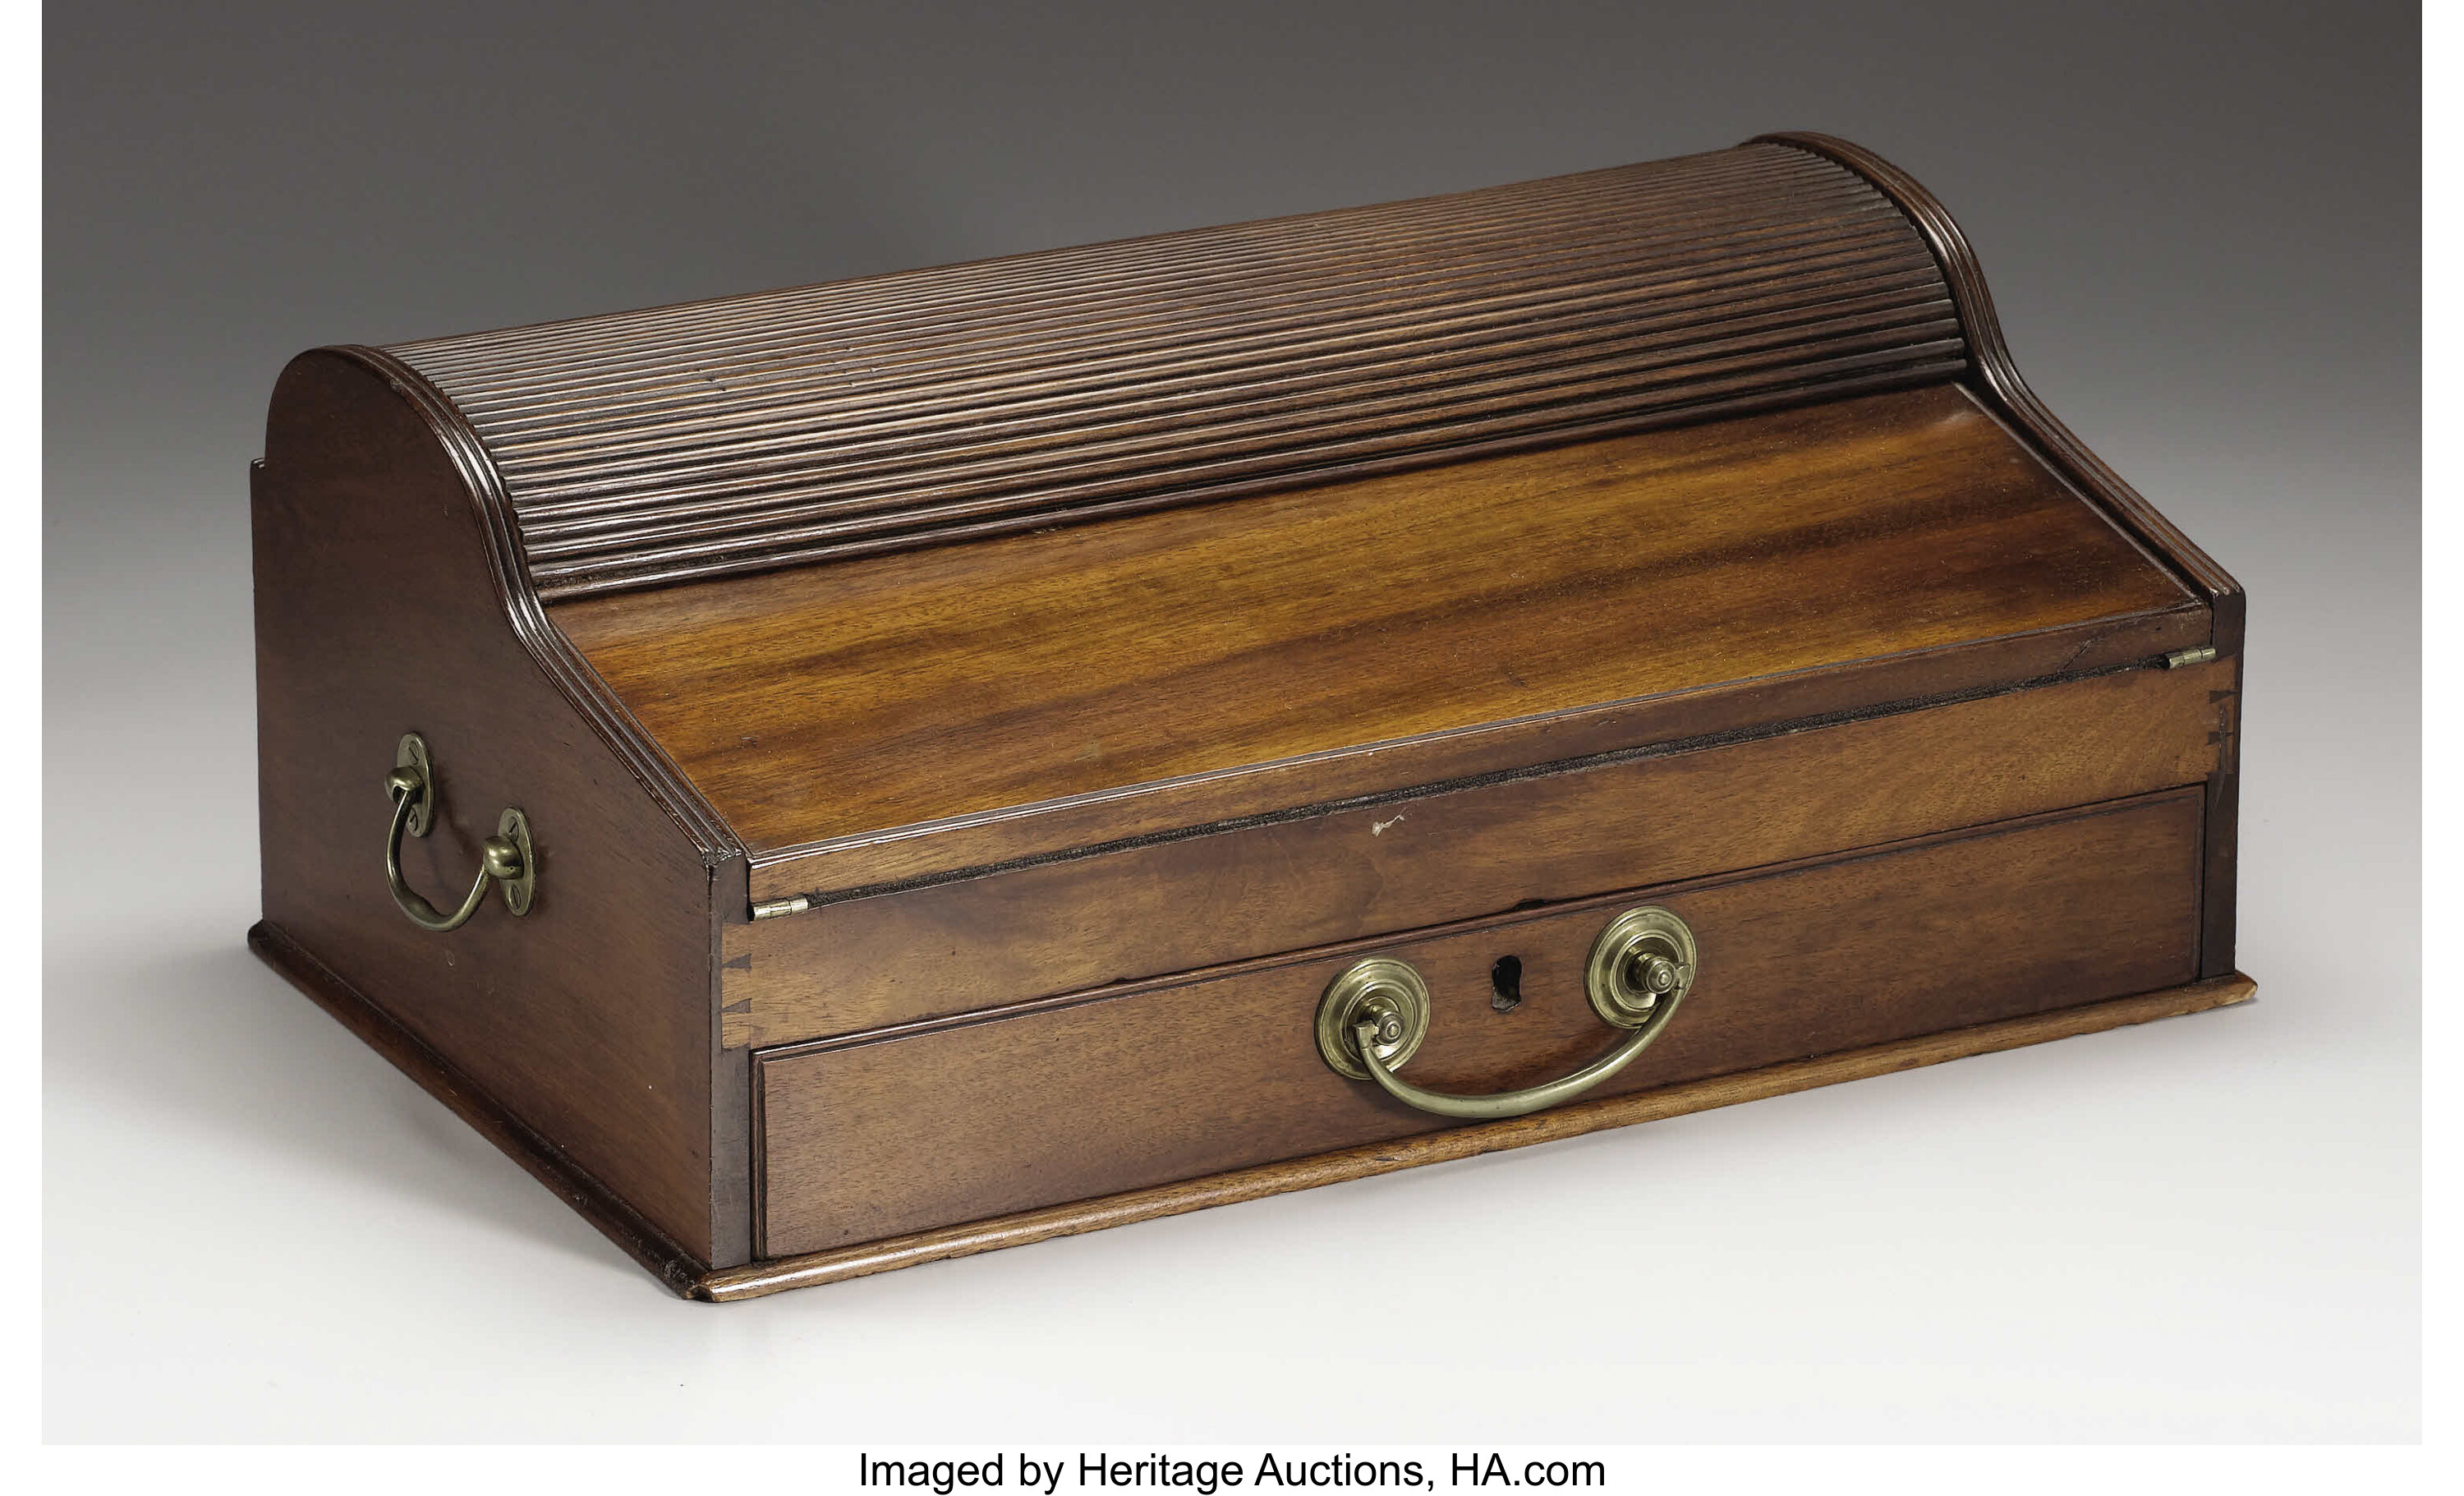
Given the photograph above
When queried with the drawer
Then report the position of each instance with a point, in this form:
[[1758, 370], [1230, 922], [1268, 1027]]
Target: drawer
[[1089, 1095], [1689, 809]]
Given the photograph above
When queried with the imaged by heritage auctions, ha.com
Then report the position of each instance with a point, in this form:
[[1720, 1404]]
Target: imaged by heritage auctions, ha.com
[[879, 771]]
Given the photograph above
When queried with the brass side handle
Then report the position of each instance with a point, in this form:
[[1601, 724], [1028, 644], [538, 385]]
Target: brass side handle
[[505, 859], [1375, 1013]]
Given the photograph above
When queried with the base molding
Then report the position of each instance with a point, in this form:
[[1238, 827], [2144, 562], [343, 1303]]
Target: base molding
[[672, 1264], [779, 1274], [686, 1275]]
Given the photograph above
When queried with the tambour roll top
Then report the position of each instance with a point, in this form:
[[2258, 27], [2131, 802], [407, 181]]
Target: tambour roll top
[[935, 406], [877, 771]]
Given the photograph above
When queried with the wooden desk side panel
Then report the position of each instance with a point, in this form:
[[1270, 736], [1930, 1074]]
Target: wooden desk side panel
[[2000, 388], [589, 1021], [1148, 911], [1176, 1079]]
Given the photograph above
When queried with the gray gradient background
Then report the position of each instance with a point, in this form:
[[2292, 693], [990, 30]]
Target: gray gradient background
[[2202, 224]]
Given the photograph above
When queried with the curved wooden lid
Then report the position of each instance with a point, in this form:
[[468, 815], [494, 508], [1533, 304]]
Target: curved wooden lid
[[1586, 466], [913, 410], [917, 715]]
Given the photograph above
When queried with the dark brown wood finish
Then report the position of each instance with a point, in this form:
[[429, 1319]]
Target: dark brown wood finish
[[538, 1155], [1680, 528], [2220, 878], [974, 846], [1152, 909], [1023, 1228], [730, 1082], [945, 404], [378, 612], [1072, 1099], [585, 696], [1996, 377], [820, 707]]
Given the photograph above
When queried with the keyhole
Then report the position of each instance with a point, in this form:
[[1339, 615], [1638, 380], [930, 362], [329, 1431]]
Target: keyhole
[[1505, 980]]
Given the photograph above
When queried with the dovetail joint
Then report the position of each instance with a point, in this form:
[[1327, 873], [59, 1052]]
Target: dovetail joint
[[782, 906], [2199, 654]]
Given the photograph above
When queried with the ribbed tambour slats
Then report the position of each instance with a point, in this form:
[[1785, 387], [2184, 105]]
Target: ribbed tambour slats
[[933, 405]]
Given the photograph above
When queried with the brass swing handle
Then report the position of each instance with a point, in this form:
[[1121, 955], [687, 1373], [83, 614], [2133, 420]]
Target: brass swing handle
[[505, 859], [1375, 1013]]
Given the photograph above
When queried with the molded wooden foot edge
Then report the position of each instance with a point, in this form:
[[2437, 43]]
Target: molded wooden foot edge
[[617, 1220], [1301, 1174]]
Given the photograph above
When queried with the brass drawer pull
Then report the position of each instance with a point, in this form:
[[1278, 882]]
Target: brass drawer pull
[[1375, 1013], [505, 858]]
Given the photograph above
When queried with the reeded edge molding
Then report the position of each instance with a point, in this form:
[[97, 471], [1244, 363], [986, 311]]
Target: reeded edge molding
[[563, 665], [671, 1263], [1990, 355], [1412, 460], [813, 1269]]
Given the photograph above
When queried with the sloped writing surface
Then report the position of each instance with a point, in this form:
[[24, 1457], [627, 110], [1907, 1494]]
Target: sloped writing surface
[[916, 685]]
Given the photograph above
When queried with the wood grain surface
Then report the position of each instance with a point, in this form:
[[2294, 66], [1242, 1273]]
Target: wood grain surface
[[1295, 789], [1998, 382], [1024, 1228], [590, 1019], [1152, 909], [1683, 529], [1078, 1098], [907, 689], [448, 1082], [935, 406]]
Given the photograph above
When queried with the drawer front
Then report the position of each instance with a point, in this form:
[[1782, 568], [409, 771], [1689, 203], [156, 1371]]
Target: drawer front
[[1689, 810], [1077, 1097]]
